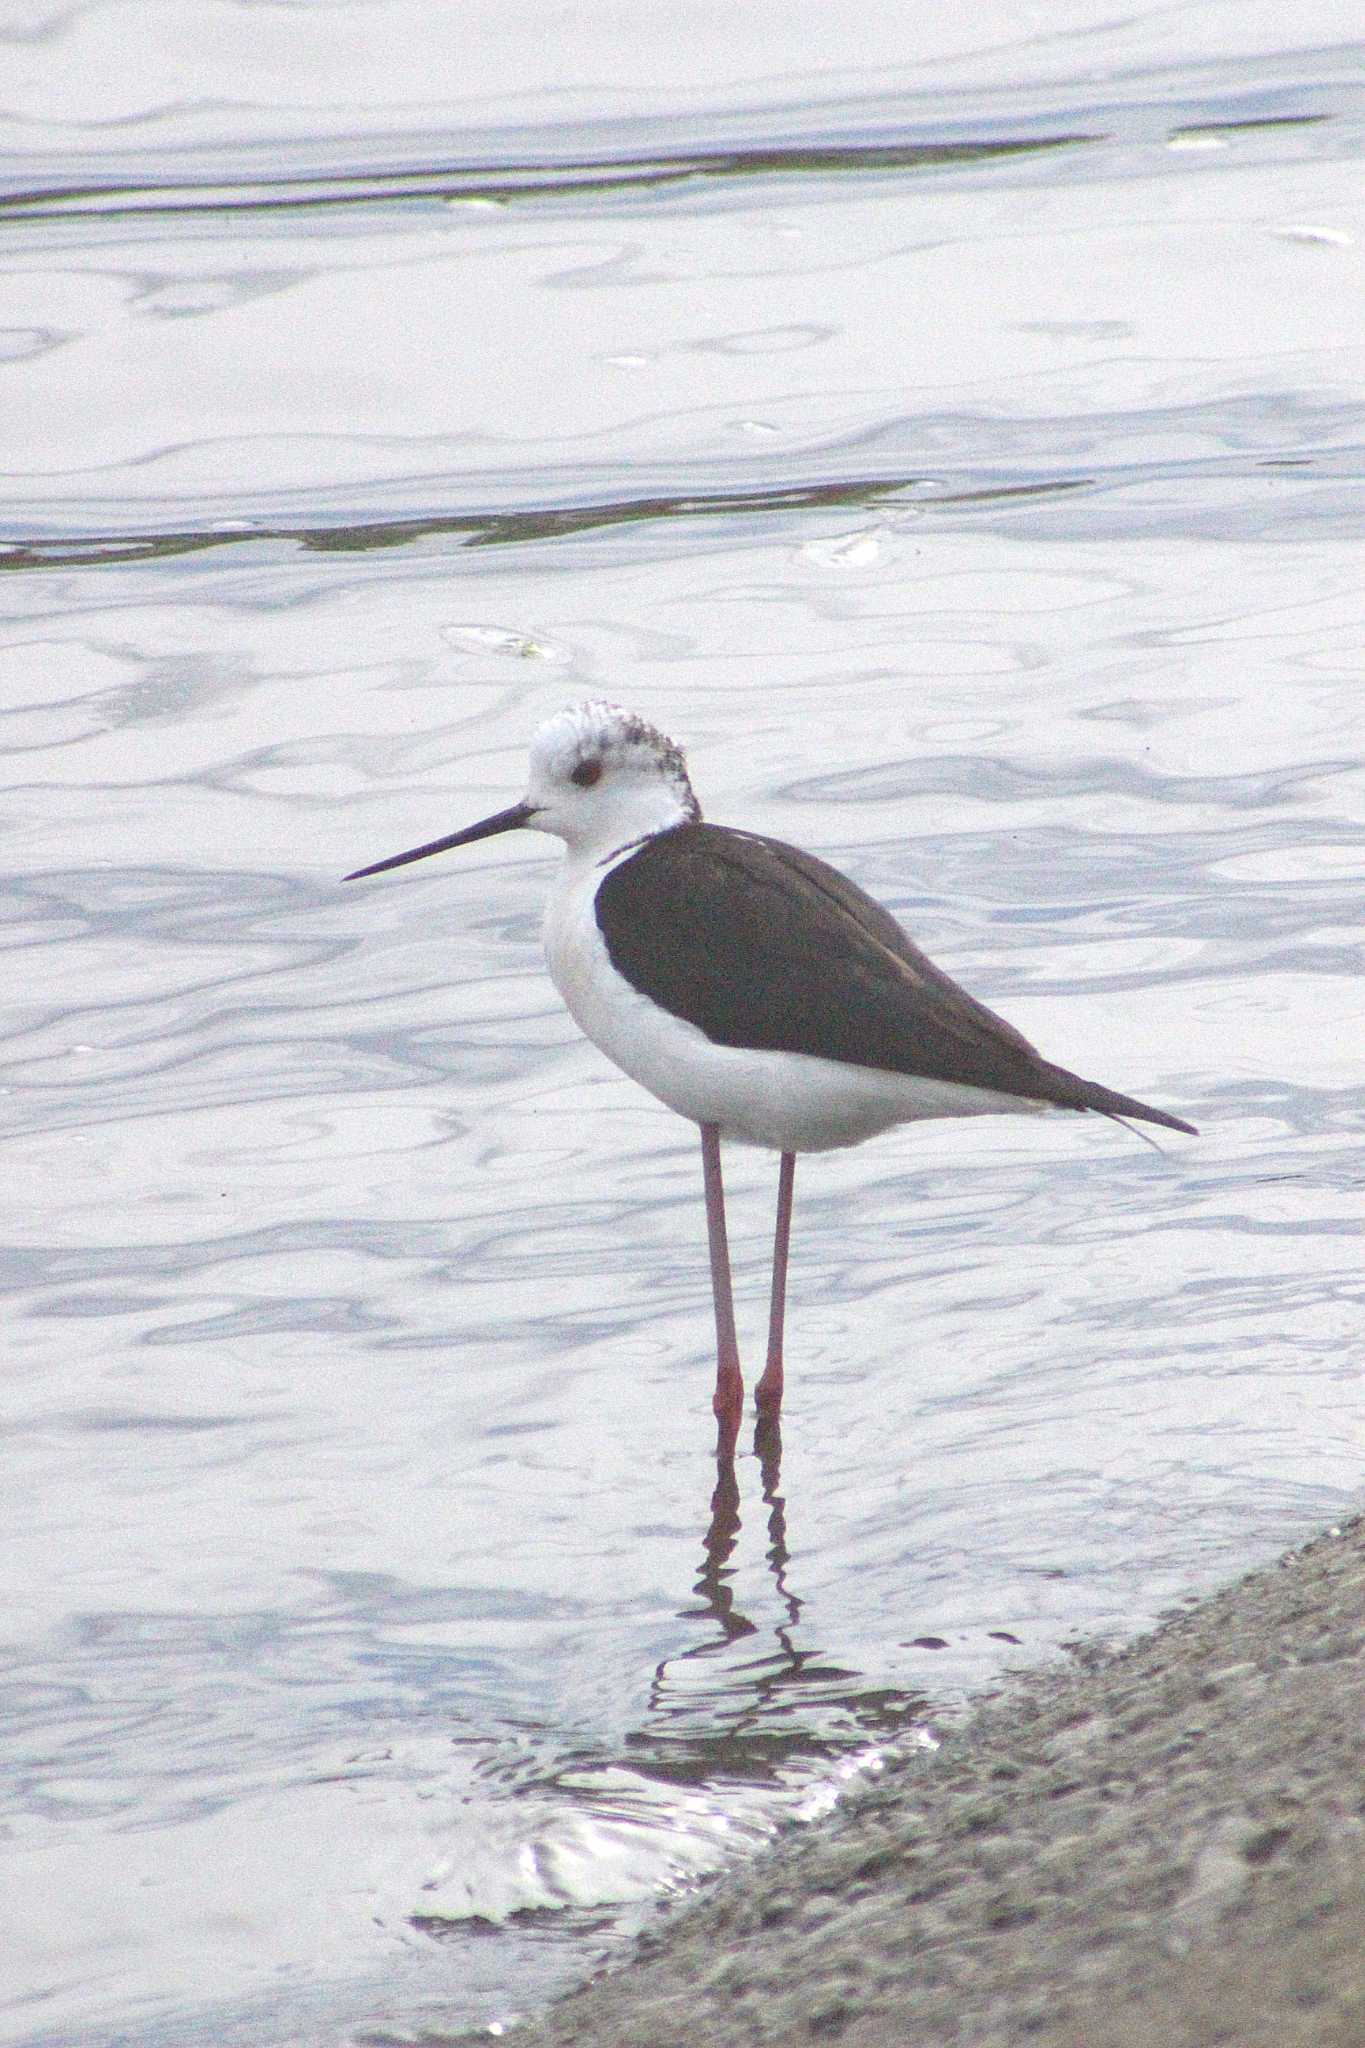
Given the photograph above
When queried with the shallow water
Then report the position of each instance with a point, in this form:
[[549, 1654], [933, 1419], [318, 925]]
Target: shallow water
[[379, 1644]]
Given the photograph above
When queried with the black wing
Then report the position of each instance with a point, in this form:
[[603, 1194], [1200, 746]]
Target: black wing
[[761, 945]]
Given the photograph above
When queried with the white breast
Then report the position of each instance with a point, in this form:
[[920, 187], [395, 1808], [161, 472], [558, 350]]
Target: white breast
[[789, 1101]]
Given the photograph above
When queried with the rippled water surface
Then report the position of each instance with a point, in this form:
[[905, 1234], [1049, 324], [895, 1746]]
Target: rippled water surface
[[953, 434]]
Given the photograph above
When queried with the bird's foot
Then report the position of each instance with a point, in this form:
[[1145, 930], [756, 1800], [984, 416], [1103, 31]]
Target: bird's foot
[[768, 1451], [728, 1406], [768, 1392]]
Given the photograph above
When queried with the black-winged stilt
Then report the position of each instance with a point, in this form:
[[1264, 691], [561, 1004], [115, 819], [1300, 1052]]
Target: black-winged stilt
[[750, 987]]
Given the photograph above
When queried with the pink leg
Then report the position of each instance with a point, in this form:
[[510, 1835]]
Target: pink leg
[[729, 1396], [768, 1392]]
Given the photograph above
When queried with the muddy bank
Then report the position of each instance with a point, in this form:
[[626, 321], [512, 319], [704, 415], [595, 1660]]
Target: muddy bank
[[1166, 1847]]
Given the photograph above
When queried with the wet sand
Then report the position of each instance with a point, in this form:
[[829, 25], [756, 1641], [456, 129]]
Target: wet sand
[[1152, 1848]]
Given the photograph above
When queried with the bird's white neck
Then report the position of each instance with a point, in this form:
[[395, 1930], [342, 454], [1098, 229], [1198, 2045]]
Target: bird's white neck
[[634, 817]]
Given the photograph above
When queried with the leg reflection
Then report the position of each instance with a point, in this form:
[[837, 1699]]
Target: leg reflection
[[713, 1582], [747, 1684], [768, 1451]]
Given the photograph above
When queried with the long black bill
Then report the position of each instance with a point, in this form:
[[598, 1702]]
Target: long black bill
[[501, 821]]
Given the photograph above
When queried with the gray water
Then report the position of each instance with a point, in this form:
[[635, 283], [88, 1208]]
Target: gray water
[[953, 435]]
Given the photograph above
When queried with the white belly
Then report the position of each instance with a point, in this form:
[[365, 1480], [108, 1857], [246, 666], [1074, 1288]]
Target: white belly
[[789, 1101]]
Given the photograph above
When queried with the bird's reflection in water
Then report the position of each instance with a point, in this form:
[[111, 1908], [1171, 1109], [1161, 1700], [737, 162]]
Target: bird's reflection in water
[[745, 1724], [749, 1698], [713, 1582]]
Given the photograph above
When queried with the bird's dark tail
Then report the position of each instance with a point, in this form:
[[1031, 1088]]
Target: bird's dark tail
[[1074, 1093]]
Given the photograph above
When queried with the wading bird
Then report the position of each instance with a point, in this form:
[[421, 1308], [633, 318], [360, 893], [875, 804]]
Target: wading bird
[[750, 987]]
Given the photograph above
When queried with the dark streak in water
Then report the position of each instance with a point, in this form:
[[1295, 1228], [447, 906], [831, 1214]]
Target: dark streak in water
[[502, 529], [1250, 125], [510, 183]]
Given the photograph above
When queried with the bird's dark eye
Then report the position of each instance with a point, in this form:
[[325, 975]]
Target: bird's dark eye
[[586, 773]]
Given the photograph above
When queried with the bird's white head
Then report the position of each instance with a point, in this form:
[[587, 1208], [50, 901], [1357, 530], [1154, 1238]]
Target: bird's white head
[[600, 779]]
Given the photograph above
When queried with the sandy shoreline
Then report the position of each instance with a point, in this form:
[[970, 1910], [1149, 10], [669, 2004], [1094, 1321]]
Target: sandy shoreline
[[1165, 1847]]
